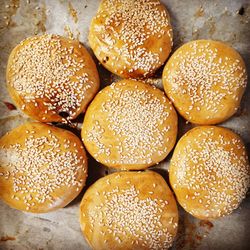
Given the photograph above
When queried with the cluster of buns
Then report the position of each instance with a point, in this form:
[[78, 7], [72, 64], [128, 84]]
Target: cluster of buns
[[42, 167], [129, 125]]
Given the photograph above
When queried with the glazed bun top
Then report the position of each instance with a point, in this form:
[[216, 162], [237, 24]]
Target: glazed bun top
[[129, 210], [131, 38], [42, 168], [51, 77], [205, 80], [209, 171], [129, 125]]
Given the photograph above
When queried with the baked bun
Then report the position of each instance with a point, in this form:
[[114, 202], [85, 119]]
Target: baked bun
[[130, 38], [205, 80], [129, 125], [51, 78], [129, 210], [42, 168], [209, 172]]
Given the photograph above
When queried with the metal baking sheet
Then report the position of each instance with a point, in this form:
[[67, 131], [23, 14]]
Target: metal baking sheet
[[226, 20]]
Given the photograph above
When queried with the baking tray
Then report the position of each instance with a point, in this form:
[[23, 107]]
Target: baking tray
[[224, 20]]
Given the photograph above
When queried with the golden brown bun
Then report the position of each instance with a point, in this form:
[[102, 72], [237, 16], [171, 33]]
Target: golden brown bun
[[209, 172], [50, 77], [129, 125], [205, 80], [129, 210], [130, 38], [42, 168]]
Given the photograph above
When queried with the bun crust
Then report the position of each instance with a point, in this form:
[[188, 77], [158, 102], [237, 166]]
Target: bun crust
[[51, 78], [42, 168], [130, 38], [209, 172], [129, 210], [129, 125], [205, 80]]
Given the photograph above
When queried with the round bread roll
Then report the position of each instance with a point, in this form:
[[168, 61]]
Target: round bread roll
[[129, 210], [42, 168], [51, 78], [130, 38], [205, 81], [209, 172], [129, 125]]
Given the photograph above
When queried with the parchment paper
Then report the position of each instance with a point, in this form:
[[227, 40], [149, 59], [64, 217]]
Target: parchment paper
[[224, 20]]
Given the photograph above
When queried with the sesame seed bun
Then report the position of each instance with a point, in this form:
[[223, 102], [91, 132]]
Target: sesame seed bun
[[42, 168], [51, 78], [129, 210], [205, 80], [129, 125], [130, 38], [209, 172]]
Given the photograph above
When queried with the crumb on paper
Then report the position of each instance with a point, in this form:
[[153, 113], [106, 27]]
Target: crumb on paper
[[200, 12], [73, 12], [241, 11], [68, 32], [6, 238], [77, 35], [10, 11], [40, 22], [10, 106], [225, 11]]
